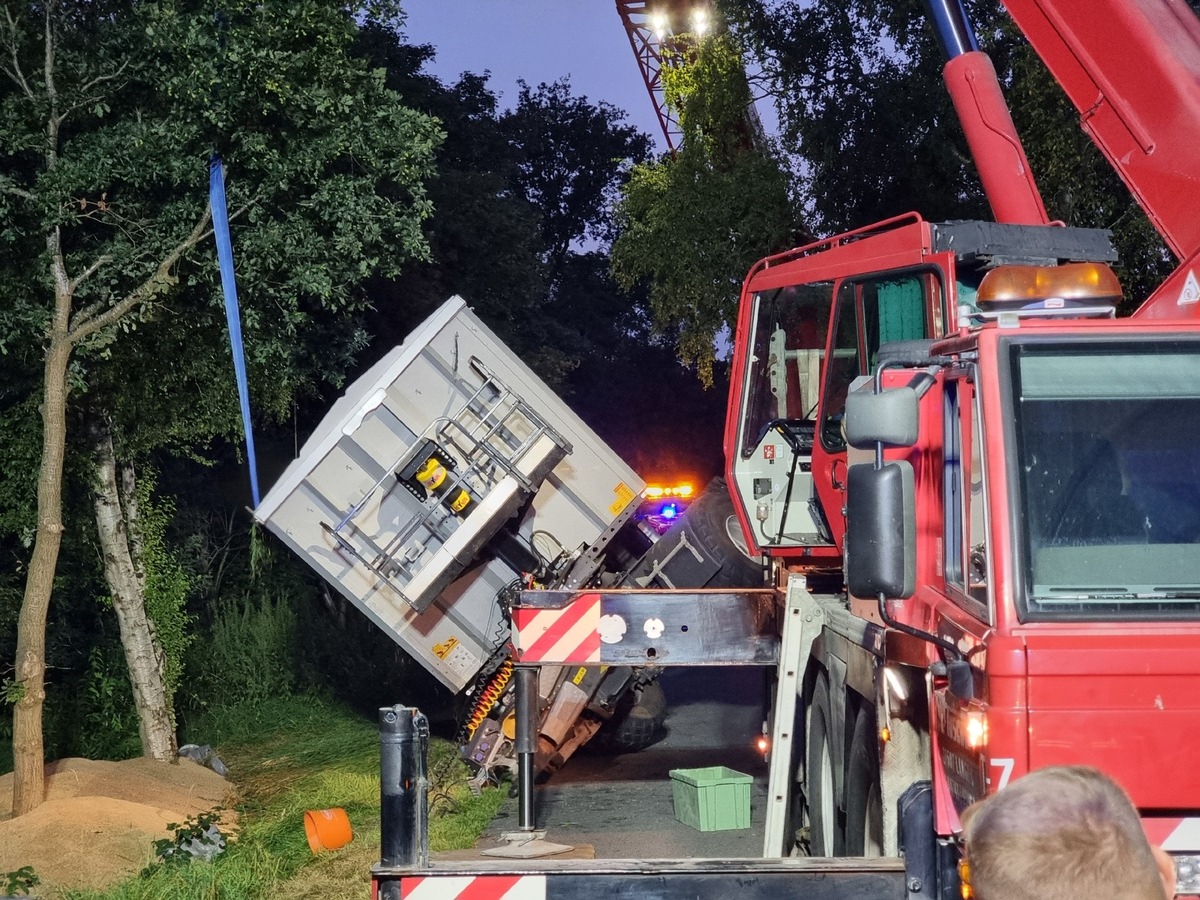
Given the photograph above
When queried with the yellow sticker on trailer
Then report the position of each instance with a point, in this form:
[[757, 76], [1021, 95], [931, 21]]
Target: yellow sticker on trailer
[[624, 494], [442, 650]]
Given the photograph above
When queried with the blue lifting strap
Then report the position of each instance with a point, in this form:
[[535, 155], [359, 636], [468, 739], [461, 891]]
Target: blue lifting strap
[[216, 200]]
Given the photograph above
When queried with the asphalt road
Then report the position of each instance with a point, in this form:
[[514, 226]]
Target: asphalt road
[[622, 805]]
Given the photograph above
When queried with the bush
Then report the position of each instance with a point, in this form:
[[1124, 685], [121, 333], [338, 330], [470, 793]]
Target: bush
[[109, 717], [249, 656]]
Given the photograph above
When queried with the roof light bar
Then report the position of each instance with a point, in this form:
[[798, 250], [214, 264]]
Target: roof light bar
[[1047, 287]]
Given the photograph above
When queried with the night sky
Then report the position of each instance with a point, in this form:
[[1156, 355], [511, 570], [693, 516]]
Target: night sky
[[539, 41]]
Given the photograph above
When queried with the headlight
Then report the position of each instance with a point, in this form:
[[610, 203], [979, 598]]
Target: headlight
[[1187, 874]]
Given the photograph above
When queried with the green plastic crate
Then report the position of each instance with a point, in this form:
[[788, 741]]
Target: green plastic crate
[[711, 799]]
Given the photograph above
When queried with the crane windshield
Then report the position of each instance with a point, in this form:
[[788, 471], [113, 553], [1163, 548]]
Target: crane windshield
[[1108, 475]]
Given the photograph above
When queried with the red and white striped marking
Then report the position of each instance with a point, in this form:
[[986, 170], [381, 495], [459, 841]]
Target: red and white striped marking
[[567, 635], [474, 887], [1174, 835]]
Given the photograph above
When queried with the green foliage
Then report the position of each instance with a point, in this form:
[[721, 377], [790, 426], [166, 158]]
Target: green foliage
[[199, 836], [13, 691], [858, 89], [570, 157], [519, 195], [168, 583], [249, 656], [110, 722], [20, 444], [693, 224], [325, 173], [19, 881]]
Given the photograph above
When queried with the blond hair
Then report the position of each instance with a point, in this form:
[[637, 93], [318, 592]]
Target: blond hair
[[1060, 833]]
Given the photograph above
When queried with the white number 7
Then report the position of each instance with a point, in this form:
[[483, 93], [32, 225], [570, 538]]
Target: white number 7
[[1006, 769]]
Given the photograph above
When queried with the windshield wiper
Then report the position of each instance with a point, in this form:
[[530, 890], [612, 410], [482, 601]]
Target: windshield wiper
[[1113, 594]]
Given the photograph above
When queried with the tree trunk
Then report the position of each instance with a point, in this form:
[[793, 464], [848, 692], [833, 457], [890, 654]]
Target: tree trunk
[[120, 541], [28, 743]]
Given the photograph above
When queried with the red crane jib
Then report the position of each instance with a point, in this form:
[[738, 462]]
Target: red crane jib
[[1132, 70]]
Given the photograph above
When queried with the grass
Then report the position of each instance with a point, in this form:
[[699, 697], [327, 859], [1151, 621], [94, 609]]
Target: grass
[[295, 755]]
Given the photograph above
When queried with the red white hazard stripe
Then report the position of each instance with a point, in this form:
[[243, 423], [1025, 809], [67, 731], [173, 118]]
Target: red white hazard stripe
[[474, 887], [567, 635], [1174, 835]]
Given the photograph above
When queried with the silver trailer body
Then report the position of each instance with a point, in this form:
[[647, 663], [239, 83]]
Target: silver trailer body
[[441, 444]]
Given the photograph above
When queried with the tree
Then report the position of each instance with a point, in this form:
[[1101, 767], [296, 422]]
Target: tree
[[570, 160], [521, 195], [858, 90], [862, 105], [110, 112], [692, 225]]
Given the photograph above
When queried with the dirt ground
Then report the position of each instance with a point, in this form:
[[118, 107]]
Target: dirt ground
[[100, 819]]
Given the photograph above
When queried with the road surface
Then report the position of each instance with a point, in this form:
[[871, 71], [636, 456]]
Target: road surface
[[622, 805]]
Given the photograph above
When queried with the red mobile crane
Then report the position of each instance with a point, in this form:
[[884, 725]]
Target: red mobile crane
[[1007, 476], [1021, 556]]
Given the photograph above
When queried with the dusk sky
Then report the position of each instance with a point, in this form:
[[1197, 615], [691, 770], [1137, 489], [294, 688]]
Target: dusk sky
[[537, 40]]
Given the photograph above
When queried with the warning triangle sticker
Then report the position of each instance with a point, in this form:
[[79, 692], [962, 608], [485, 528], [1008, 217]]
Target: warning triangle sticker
[[1191, 290]]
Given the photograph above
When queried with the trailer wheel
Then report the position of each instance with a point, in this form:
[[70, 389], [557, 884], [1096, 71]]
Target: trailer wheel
[[711, 520], [825, 836], [864, 802], [636, 723]]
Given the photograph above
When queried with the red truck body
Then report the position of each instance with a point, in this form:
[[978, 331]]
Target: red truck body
[[1108, 676]]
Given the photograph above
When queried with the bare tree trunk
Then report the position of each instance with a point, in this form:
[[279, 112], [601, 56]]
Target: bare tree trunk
[[120, 542], [28, 742]]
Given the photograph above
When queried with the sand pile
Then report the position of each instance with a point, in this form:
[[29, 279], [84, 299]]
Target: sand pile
[[101, 819]]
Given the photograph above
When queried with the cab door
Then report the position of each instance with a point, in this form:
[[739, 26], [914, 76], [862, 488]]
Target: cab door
[[978, 736], [870, 312], [811, 320]]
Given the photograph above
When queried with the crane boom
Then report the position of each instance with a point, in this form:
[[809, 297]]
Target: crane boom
[[646, 40], [1132, 70]]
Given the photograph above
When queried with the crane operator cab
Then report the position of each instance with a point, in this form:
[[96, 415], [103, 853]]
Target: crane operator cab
[[815, 319]]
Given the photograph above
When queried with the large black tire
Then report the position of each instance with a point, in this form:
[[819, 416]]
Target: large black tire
[[712, 522], [710, 528], [636, 723], [864, 804], [825, 833]]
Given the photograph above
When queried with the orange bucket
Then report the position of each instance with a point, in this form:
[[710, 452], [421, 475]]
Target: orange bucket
[[327, 829]]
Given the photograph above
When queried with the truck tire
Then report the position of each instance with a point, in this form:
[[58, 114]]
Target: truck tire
[[636, 723], [825, 837], [713, 524], [864, 804], [704, 548]]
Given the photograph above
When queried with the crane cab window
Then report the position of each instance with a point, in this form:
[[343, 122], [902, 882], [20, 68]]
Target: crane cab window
[[784, 369], [1107, 476], [965, 541], [871, 313]]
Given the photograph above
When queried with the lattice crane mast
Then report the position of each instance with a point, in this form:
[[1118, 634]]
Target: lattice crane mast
[[655, 26]]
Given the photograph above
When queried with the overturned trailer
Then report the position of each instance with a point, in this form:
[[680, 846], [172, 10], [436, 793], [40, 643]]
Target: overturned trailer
[[448, 478]]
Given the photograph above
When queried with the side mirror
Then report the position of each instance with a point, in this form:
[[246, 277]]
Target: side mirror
[[890, 417], [881, 529]]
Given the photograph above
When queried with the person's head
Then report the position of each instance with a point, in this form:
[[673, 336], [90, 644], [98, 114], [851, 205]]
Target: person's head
[[1062, 833]]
